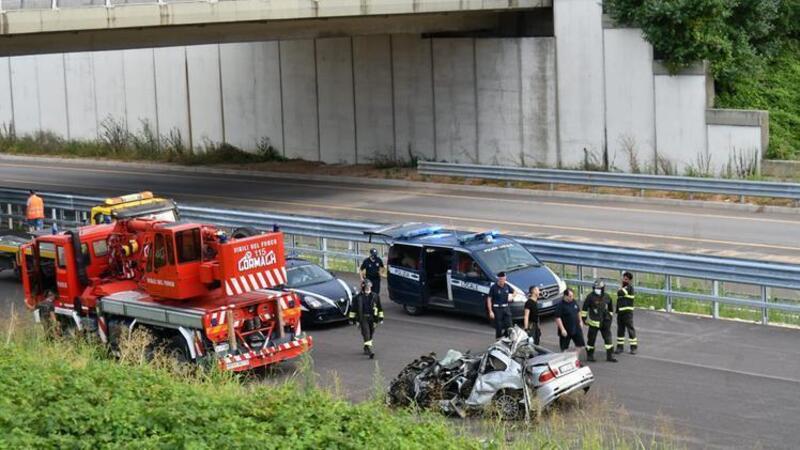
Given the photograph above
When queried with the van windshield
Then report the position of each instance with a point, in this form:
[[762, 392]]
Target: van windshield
[[507, 257]]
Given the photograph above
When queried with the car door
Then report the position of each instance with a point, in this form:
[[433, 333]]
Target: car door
[[406, 285], [469, 284]]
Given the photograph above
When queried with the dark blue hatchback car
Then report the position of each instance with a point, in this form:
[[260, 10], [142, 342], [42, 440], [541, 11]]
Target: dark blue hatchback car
[[433, 267], [324, 298]]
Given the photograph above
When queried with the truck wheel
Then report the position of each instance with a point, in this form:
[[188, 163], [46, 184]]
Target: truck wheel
[[243, 232], [413, 310], [178, 350], [507, 404]]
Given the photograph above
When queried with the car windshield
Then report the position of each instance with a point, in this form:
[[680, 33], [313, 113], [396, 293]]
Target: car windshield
[[507, 257], [306, 274]]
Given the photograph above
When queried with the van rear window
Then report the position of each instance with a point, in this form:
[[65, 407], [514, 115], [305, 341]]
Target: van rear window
[[405, 256]]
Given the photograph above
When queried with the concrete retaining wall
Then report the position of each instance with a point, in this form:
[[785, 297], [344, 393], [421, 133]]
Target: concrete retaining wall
[[579, 58], [336, 100], [630, 100], [589, 94]]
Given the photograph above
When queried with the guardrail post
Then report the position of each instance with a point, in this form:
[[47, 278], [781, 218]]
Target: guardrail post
[[10, 218], [765, 307], [54, 4], [741, 198], [668, 288], [580, 278], [641, 192], [84, 216], [55, 215], [715, 304], [324, 248]]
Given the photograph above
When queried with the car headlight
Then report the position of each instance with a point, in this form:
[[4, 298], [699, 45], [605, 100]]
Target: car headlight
[[312, 302], [561, 284], [519, 297]]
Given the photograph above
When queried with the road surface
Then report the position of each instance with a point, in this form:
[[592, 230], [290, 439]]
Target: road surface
[[696, 228]]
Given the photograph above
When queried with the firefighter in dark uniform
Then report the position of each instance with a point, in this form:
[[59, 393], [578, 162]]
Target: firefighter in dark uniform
[[625, 300], [598, 315], [372, 269], [497, 303], [366, 311]]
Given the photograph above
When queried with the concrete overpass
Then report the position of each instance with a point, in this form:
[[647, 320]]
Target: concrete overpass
[[43, 26]]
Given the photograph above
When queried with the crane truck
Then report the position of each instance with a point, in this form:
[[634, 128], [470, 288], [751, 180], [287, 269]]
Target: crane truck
[[139, 204], [200, 293]]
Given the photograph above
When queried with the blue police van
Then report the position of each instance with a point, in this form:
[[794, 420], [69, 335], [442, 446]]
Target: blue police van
[[433, 267]]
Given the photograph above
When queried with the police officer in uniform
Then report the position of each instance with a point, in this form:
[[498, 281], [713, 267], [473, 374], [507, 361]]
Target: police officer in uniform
[[372, 269], [497, 303], [598, 315], [366, 311], [625, 300]]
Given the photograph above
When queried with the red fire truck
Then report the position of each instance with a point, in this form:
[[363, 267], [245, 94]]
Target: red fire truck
[[201, 294]]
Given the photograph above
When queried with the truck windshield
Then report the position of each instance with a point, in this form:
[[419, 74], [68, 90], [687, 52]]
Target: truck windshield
[[305, 275], [507, 257]]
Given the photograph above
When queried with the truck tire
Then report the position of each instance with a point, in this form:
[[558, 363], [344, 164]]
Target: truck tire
[[178, 350], [243, 232], [413, 310]]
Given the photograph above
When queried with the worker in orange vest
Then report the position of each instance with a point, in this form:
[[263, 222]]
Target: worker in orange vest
[[34, 212]]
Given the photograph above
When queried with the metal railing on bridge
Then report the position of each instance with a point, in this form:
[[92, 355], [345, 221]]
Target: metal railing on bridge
[[340, 244], [641, 182]]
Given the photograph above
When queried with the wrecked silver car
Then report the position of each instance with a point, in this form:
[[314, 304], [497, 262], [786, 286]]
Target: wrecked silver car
[[513, 379]]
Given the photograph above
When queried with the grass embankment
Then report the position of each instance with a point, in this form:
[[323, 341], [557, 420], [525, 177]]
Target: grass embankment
[[67, 393]]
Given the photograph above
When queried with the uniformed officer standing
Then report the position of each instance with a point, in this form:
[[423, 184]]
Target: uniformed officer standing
[[625, 300], [598, 315], [530, 315], [497, 303], [372, 269], [366, 311]]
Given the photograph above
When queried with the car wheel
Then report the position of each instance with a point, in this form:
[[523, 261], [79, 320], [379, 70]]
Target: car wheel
[[413, 310], [507, 405]]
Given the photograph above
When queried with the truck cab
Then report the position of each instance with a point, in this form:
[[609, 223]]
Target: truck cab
[[433, 267], [142, 204]]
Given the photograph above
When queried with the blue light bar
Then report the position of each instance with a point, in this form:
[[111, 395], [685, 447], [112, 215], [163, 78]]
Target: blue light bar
[[478, 236], [420, 232]]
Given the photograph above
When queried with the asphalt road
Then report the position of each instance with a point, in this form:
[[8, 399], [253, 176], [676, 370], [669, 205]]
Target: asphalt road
[[717, 384], [696, 228]]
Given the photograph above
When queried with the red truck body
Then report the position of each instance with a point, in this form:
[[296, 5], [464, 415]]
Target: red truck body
[[200, 293]]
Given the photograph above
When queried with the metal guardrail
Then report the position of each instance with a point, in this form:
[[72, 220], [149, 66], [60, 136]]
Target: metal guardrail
[[69, 210], [640, 182]]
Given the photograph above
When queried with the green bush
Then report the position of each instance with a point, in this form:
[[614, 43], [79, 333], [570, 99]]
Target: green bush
[[62, 395], [752, 47]]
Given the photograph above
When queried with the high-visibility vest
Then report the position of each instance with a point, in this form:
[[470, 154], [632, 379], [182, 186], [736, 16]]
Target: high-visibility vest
[[35, 208]]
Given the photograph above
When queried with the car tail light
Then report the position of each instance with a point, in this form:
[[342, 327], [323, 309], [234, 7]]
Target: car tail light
[[546, 376]]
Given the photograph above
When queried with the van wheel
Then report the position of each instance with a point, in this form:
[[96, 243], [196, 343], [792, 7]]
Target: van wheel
[[413, 310]]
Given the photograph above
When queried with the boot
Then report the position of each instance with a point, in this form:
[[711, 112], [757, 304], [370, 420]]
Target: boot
[[620, 349], [590, 356], [371, 354], [610, 356], [633, 350], [366, 349]]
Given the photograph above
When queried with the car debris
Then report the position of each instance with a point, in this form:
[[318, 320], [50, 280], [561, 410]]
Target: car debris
[[513, 379]]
